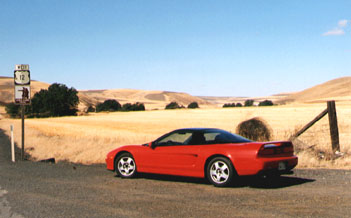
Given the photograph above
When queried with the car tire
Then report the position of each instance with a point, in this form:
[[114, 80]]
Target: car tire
[[125, 166], [220, 172]]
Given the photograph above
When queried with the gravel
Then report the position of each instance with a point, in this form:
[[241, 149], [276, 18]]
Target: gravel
[[34, 189]]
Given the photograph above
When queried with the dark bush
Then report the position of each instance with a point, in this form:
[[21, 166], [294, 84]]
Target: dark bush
[[249, 102], [239, 105], [13, 110], [193, 105], [229, 105], [266, 103], [139, 107], [133, 107], [173, 105], [60, 100], [255, 129], [109, 105]]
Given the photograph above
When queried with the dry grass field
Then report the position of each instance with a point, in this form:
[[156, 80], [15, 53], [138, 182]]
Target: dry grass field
[[87, 139]]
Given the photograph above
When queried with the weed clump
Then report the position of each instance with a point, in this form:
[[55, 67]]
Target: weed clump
[[255, 129]]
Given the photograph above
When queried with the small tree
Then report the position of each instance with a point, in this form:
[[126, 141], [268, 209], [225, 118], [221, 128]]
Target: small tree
[[239, 105], [139, 106], [133, 107], [108, 105], [266, 103], [173, 105], [229, 105], [193, 105], [249, 102]]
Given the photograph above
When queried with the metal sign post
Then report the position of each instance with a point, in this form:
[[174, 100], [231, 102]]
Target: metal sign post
[[22, 93]]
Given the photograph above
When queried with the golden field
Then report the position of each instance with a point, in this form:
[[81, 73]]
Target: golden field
[[87, 139]]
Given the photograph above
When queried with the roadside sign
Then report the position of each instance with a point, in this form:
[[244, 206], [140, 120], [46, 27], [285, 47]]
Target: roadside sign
[[22, 77], [22, 94], [22, 74], [22, 84]]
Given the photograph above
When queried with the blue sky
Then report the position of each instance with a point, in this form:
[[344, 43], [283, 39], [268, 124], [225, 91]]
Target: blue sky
[[209, 48]]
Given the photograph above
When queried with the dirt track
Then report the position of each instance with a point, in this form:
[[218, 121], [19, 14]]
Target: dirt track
[[66, 190]]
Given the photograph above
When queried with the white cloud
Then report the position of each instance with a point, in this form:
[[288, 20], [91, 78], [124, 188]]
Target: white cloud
[[334, 32], [339, 30], [342, 23]]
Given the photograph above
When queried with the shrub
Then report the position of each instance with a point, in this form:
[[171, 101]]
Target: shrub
[[229, 105], [239, 105], [109, 105], [266, 103], [249, 102], [133, 107], [13, 110], [193, 105], [173, 105], [255, 129], [139, 107]]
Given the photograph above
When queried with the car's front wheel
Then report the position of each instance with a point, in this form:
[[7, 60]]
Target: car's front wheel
[[125, 166], [220, 172]]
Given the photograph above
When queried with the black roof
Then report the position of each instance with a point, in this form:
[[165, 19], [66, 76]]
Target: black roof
[[196, 129]]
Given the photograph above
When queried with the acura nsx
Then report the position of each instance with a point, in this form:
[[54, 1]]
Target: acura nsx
[[215, 154]]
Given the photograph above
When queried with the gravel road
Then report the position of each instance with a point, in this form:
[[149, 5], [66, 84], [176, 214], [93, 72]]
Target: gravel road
[[32, 189]]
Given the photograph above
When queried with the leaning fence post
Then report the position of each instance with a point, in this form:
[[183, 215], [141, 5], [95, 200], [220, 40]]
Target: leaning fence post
[[12, 145], [333, 126]]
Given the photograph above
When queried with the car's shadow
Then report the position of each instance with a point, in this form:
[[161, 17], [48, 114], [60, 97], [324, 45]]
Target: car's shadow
[[243, 181], [271, 183]]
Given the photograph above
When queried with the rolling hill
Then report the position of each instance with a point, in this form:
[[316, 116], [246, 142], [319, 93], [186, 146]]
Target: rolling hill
[[337, 89], [151, 99]]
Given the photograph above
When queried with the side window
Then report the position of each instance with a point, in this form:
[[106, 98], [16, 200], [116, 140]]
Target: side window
[[177, 138], [211, 136]]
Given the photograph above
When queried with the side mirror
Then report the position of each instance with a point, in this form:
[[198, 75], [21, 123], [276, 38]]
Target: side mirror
[[152, 145]]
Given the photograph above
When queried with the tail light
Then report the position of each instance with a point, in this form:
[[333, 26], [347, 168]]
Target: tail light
[[276, 149]]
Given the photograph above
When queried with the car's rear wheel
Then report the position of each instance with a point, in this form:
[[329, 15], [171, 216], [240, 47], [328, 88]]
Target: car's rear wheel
[[125, 166], [220, 172]]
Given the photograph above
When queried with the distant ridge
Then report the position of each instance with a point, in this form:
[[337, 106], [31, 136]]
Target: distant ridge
[[151, 99], [337, 89]]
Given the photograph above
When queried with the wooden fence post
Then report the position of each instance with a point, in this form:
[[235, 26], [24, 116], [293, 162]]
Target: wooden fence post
[[308, 125], [333, 126]]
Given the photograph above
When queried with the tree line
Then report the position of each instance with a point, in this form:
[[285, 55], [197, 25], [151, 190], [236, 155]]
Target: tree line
[[59, 100], [249, 103]]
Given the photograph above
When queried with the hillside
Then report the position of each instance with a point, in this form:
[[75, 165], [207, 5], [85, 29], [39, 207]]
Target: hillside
[[151, 99], [337, 89]]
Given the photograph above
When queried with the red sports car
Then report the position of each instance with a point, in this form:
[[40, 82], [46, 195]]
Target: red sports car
[[203, 152]]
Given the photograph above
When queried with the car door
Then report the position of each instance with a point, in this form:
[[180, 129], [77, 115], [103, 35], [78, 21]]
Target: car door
[[172, 155]]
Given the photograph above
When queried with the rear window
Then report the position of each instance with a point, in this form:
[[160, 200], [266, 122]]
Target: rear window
[[216, 136]]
